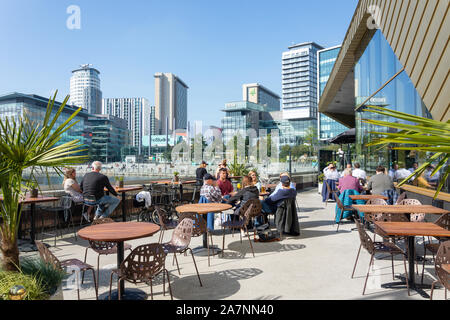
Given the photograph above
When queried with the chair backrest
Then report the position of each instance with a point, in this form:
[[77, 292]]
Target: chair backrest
[[181, 236], [401, 198], [161, 218], [365, 239], [376, 216], [378, 202], [143, 262], [443, 257], [65, 202], [199, 224], [47, 256], [338, 201], [415, 217], [444, 221], [101, 246], [256, 208], [328, 187], [247, 214]]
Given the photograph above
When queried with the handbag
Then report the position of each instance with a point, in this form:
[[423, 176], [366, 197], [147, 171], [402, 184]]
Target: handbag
[[268, 236]]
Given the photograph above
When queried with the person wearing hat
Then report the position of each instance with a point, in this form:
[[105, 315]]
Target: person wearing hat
[[271, 203], [210, 189], [200, 173]]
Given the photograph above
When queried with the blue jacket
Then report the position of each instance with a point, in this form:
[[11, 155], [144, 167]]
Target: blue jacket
[[346, 201], [210, 216]]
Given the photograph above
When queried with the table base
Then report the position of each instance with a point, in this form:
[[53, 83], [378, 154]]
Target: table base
[[129, 294], [203, 252], [419, 288]]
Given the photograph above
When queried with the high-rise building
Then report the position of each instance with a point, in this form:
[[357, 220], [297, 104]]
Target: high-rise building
[[328, 128], [85, 89], [256, 93], [131, 110], [170, 103], [299, 81], [148, 120]]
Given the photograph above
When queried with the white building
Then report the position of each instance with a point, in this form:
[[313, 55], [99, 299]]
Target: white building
[[85, 89]]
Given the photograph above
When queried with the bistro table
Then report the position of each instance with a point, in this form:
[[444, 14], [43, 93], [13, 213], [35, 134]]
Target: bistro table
[[366, 197], [411, 230], [119, 232], [123, 191], [203, 209], [32, 202]]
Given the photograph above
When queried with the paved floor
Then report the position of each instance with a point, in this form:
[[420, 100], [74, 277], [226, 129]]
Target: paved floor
[[316, 265]]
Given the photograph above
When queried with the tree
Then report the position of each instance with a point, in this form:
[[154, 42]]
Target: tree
[[26, 145]]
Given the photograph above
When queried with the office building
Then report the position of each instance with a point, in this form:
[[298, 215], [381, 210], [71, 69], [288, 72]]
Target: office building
[[85, 89], [170, 103], [148, 120], [328, 128], [402, 66], [256, 93], [131, 110]]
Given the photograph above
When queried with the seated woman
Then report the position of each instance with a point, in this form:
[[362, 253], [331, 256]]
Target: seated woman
[[348, 182], [248, 191], [71, 185], [252, 174]]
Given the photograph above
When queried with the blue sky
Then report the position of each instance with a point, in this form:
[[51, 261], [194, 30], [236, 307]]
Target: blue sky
[[213, 46]]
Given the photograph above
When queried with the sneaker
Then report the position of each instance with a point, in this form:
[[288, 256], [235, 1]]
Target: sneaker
[[96, 217], [86, 217]]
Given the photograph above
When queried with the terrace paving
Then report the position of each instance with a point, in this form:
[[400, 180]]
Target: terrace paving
[[316, 265]]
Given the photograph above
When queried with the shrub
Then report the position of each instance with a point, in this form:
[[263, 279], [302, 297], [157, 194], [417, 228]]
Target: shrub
[[34, 288], [49, 277]]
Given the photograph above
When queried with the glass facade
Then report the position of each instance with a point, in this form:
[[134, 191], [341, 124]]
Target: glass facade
[[180, 105], [328, 128], [376, 66], [85, 89], [239, 117]]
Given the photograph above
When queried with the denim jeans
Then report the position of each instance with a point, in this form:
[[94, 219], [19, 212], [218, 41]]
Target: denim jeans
[[113, 202]]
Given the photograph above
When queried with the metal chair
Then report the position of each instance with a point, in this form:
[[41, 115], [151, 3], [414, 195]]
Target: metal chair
[[142, 265], [343, 208], [91, 204], [240, 224], [181, 238], [48, 257], [255, 212], [377, 247], [330, 193], [165, 225], [65, 205], [442, 267], [401, 198], [103, 247]]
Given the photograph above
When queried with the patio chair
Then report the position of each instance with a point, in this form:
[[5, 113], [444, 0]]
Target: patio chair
[[142, 265], [255, 212], [377, 247], [103, 247], [442, 267], [199, 229], [181, 238], [444, 222], [48, 257], [240, 224], [65, 205], [89, 203], [343, 208], [401, 198], [164, 224], [331, 193]]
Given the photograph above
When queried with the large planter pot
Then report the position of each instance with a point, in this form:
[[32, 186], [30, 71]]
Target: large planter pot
[[319, 187], [176, 178]]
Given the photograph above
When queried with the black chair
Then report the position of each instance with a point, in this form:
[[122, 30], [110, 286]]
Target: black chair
[[65, 206]]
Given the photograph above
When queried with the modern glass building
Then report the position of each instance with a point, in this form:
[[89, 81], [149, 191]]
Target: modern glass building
[[34, 106], [131, 110], [400, 66], [256, 93], [85, 89], [241, 116], [328, 128], [108, 135]]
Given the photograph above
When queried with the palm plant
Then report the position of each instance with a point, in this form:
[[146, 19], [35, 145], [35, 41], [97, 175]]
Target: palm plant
[[29, 146], [428, 135]]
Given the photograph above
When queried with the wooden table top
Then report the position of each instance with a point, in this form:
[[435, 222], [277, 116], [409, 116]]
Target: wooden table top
[[399, 209], [118, 231], [412, 229], [29, 200], [203, 208], [126, 188], [367, 197]]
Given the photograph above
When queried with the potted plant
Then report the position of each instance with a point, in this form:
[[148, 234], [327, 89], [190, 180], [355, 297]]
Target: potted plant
[[119, 182], [176, 177], [320, 184], [25, 145], [34, 193]]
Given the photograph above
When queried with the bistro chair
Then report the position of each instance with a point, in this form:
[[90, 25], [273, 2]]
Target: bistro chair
[[181, 238], [377, 247], [164, 224], [444, 222], [442, 267], [254, 213], [240, 224], [142, 265], [401, 198], [48, 257], [65, 205], [370, 218], [103, 247], [199, 229], [331, 193], [89, 204], [343, 208]]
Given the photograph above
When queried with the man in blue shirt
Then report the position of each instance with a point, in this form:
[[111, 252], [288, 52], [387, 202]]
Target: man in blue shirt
[[271, 204]]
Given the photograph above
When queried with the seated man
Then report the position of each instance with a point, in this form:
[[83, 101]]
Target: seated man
[[210, 189], [348, 182], [224, 184], [93, 185], [280, 185], [271, 203], [380, 182]]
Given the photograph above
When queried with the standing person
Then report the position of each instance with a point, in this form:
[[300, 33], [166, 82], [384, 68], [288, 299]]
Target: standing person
[[380, 182], [71, 185], [252, 174], [224, 184], [200, 173], [210, 189], [359, 173], [93, 185]]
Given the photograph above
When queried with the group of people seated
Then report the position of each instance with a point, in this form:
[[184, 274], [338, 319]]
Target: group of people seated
[[91, 191]]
